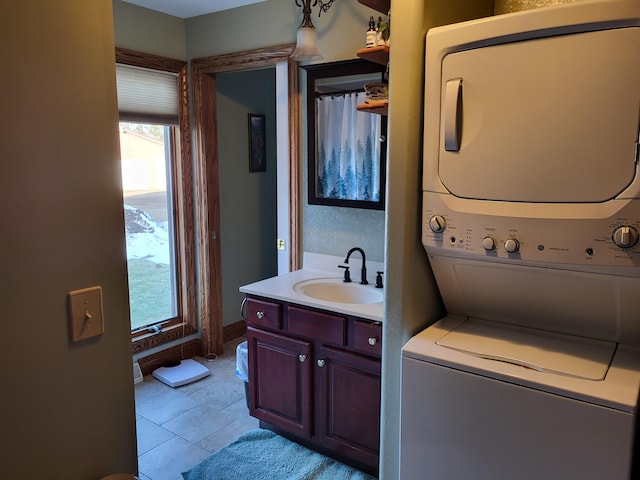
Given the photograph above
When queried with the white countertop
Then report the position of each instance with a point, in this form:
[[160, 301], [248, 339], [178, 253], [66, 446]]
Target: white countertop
[[319, 266]]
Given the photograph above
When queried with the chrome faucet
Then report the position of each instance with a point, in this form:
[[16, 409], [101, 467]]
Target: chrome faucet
[[363, 271]]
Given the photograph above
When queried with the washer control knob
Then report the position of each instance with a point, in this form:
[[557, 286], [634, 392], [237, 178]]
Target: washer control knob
[[625, 236], [512, 245], [437, 223], [489, 243]]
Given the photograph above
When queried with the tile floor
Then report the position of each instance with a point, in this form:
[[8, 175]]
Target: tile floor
[[180, 427]]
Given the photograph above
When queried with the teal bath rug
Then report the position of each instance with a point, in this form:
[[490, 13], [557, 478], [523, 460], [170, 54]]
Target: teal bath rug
[[263, 455]]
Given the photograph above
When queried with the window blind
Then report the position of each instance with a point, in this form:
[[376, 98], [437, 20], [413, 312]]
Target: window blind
[[146, 95]]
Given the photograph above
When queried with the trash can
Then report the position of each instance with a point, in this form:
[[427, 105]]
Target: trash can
[[242, 367]]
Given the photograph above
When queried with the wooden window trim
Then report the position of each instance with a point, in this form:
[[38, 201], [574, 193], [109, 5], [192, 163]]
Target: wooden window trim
[[186, 322]]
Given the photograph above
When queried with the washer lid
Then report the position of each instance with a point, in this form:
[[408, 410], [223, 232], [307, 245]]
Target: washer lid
[[535, 349]]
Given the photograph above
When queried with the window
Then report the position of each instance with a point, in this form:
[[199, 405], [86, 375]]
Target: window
[[157, 193], [147, 182]]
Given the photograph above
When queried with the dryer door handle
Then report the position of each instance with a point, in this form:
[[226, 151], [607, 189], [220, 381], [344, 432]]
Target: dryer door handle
[[453, 115]]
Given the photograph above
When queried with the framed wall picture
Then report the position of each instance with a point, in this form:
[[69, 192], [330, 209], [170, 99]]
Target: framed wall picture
[[257, 149]]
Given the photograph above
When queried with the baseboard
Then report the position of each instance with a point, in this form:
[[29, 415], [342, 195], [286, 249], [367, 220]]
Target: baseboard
[[235, 330]]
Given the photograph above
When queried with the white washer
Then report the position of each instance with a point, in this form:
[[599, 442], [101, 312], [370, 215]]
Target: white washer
[[471, 409]]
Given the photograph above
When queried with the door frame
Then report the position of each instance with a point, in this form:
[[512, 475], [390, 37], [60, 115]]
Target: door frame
[[207, 187]]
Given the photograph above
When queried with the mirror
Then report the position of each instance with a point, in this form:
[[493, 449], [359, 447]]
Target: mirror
[[346, 148]]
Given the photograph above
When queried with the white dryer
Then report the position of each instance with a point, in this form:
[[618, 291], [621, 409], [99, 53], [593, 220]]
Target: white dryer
[[531, 222]]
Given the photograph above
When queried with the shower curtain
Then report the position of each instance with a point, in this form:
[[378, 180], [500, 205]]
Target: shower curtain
[[348, 162]]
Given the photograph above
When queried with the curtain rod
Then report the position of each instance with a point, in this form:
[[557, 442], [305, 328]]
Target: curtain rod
[[339, 93]]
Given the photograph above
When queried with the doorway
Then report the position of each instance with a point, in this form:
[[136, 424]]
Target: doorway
[[247, 166], [207, 167]]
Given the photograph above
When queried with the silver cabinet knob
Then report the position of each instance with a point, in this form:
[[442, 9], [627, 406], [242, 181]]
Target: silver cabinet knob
[[373, 341], [321, 363], [302, 358], [260, 314]]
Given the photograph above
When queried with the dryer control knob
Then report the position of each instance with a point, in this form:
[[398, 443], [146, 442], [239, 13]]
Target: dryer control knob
[[625, 236], [488, 243], [437, 224], [512, 245]]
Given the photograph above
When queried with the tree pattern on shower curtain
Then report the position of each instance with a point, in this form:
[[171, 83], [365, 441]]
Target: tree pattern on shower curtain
[[348, 150]]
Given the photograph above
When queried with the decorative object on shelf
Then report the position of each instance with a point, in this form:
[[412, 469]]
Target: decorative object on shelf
[[257, 148], [307, 39], [383, 32], [376, 91], [370, 37], [377, 94]]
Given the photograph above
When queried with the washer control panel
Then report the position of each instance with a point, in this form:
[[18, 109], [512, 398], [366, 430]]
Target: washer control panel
[[610, 241]]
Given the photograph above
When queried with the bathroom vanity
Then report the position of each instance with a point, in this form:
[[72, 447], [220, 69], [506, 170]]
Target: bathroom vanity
[[314, 367]]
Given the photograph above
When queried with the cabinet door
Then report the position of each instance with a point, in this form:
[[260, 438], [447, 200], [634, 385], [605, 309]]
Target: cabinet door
[[348, 401], [280, 381]]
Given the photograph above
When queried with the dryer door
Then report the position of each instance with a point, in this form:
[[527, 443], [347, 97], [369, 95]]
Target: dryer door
[[547, 120]]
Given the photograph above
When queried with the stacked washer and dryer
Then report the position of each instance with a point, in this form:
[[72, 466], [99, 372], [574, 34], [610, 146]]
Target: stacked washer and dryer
[[531, 221]]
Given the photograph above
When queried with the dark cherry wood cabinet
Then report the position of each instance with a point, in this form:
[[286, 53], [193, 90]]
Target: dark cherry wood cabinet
[[348, 395], [281, 393], [315, 376]]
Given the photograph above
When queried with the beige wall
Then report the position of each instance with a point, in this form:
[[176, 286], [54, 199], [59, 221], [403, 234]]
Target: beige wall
[[148, 31], [68, 408]]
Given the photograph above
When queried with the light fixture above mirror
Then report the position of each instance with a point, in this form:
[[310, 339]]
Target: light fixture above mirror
[[306, 38]]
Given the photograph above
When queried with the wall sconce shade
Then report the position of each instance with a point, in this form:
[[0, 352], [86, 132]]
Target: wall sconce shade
[[307, 38], [306, 45]]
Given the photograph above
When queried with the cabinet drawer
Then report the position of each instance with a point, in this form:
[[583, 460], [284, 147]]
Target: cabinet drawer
[[264, 314], [321, 327], [367, 337]]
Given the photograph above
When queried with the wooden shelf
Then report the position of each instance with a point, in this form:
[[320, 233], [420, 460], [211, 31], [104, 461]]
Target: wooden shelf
[[379, 55], [375, 54], [374, 108], [381, 6]]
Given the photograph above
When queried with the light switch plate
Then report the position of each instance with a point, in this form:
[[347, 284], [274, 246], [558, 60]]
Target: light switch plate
[[85, 312]]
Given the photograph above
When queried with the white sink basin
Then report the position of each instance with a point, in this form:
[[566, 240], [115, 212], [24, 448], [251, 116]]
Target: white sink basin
[[334, 290]]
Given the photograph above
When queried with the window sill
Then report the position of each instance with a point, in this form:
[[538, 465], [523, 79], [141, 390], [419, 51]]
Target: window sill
[[168, 334]]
